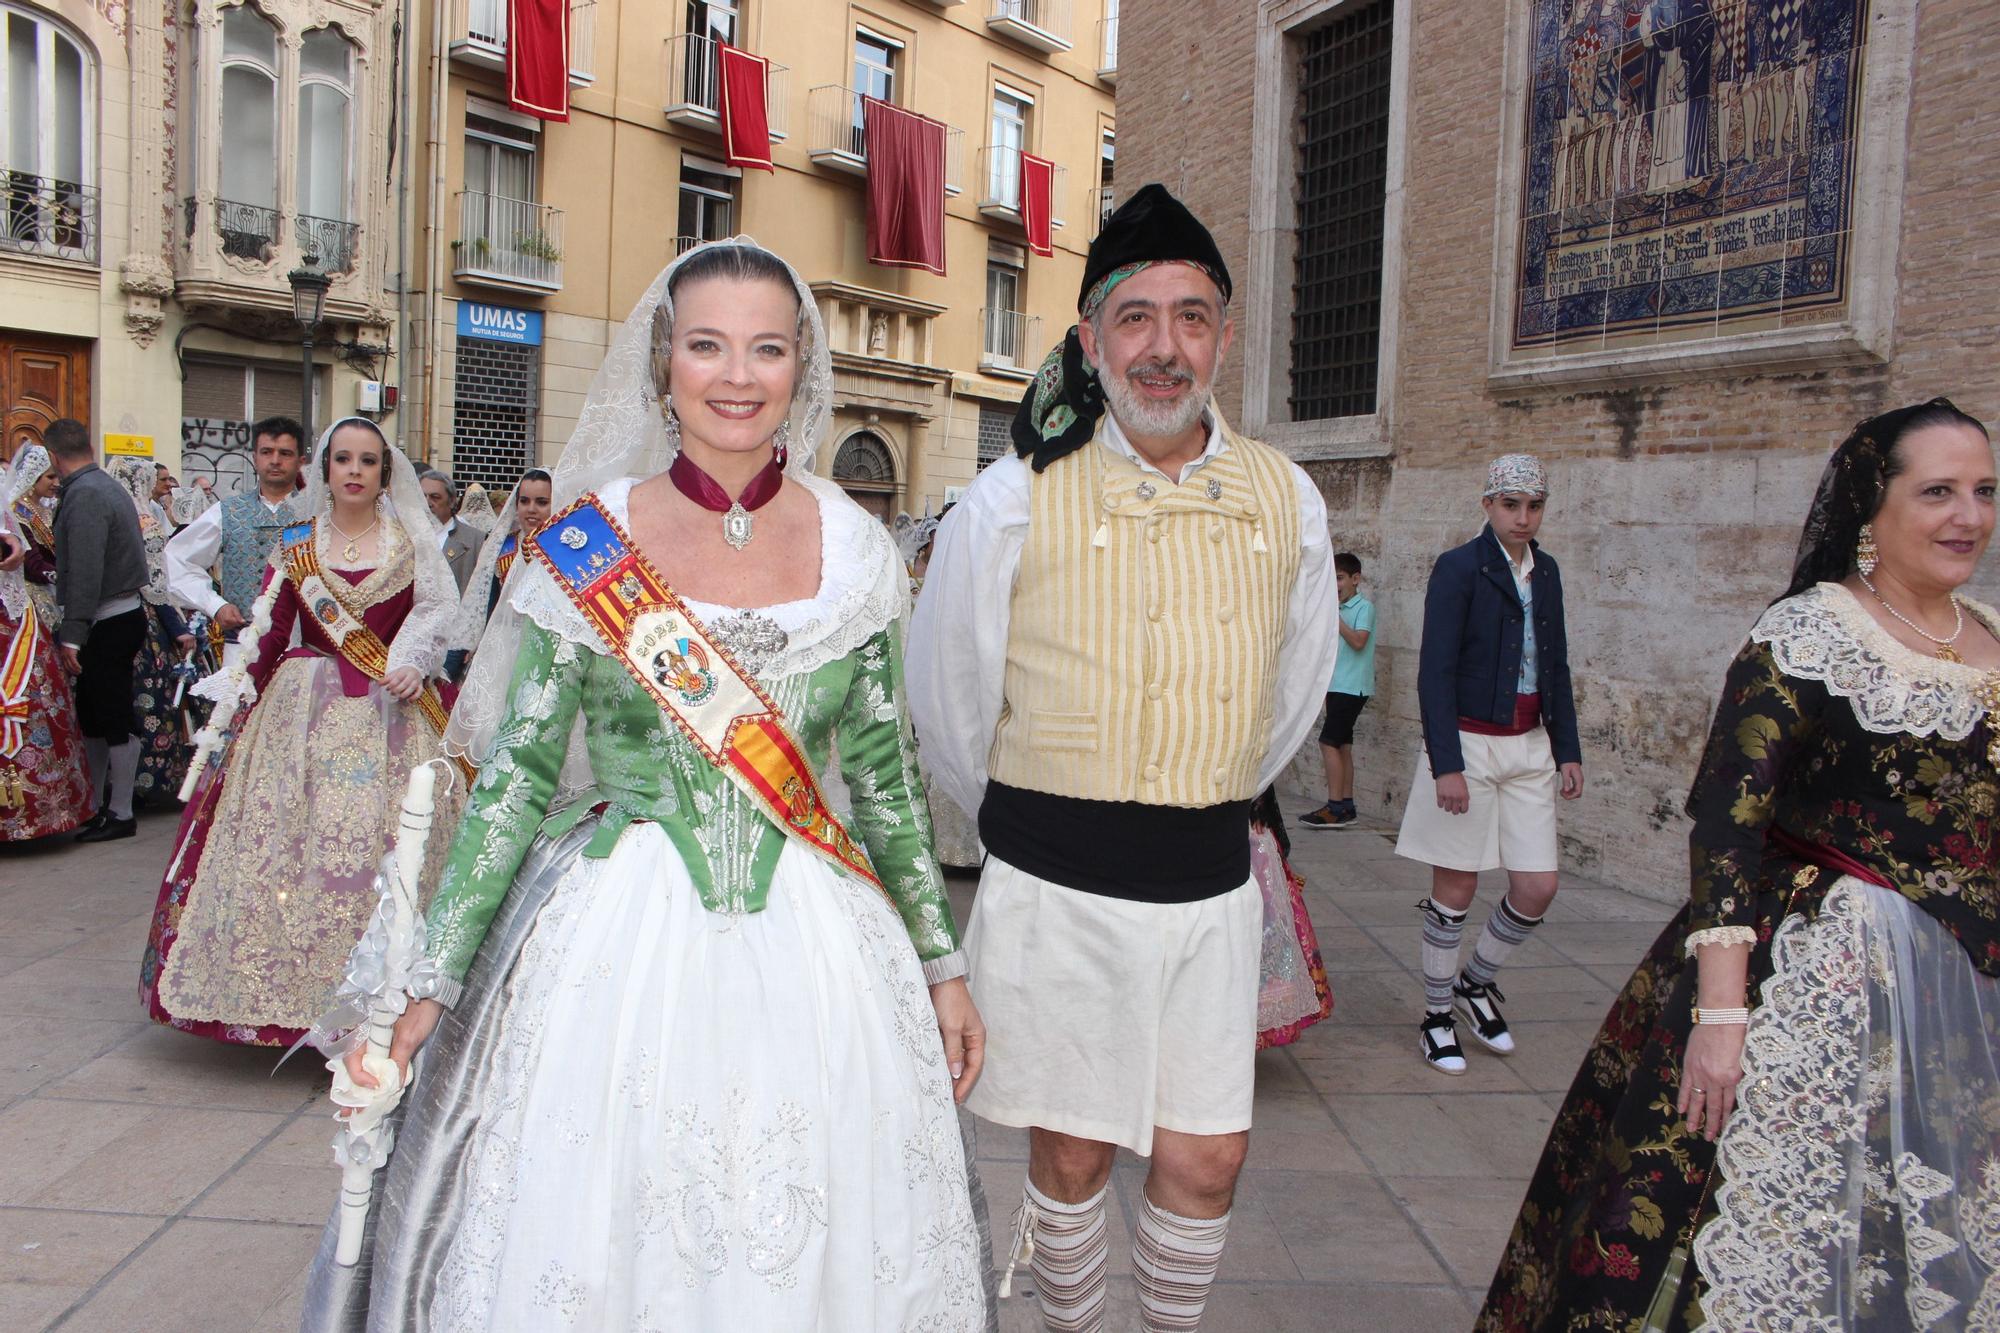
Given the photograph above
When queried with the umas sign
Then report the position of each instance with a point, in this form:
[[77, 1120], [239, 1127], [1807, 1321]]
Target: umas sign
[[1690, 166], [499, 323]]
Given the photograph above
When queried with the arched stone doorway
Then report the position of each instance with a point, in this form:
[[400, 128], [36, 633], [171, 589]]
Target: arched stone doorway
[[865, 467]]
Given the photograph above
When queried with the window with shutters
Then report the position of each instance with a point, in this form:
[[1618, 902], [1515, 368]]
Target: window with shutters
[[493, 418], [1343, 138], [219, 402], [995, 433]]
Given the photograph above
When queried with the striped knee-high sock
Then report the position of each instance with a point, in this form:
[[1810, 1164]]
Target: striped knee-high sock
[[1068, 1250], [1505, 930], [1442, 930], [1174, 1260]]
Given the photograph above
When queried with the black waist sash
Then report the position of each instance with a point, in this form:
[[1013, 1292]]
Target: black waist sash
[[1120, 849]]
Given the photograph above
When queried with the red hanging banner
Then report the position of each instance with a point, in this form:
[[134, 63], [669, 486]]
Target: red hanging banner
[[538, 57], [905, 187], [742, 83], [1038, 184]]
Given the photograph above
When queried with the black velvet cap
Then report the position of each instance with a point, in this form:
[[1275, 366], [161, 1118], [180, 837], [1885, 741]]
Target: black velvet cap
[[1150, 227]]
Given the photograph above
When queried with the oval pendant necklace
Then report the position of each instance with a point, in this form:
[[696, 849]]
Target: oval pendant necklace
[[737, 524]]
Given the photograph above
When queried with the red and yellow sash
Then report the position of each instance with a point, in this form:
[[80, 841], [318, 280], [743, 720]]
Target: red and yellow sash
[[15, 672], [716, 704], [503, 563], [358, 644]]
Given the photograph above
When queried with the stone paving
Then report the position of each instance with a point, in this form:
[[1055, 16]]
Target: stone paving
[[149, 1179]]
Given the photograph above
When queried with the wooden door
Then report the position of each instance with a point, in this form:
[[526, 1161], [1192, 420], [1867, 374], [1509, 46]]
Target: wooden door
[[41, 378]]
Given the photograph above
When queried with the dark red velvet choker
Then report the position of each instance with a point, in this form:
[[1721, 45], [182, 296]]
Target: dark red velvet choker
[[706, 491]]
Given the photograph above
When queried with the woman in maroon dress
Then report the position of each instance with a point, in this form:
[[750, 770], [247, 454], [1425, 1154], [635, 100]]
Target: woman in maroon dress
[[272, 879], [44, 785]]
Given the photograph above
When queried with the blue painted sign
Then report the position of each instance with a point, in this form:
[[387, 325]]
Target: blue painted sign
[[499, 323]]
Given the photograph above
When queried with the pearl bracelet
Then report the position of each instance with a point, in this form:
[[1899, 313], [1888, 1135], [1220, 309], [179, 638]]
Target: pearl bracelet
[[1722, 1017]]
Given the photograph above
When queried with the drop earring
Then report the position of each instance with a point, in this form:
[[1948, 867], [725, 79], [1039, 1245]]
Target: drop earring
[[673, 427], [1865, 555]]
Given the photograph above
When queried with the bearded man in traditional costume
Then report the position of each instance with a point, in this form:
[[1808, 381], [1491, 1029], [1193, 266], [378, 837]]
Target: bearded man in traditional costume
[[1121, 640]]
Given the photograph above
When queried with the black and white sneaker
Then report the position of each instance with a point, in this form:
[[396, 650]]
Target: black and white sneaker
[[1477, 1003], [1438, 1040]]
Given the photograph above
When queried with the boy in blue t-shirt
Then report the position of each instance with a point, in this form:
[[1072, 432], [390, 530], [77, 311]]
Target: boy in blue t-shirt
[[1346, 695]]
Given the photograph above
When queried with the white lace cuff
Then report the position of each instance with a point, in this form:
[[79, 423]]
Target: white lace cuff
[[1720, 935], [947, 967]]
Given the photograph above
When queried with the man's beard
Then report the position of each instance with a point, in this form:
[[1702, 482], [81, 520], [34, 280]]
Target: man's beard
[[1141, 415]]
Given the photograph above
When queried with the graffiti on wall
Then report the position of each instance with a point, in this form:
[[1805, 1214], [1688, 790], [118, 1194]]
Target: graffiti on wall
[[218, 449], [1690, 166]]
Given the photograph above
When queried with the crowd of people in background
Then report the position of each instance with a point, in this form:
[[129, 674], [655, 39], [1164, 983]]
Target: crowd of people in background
[[91, 741]]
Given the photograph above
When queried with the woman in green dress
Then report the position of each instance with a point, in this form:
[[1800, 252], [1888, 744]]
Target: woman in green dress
[[1791, 1117], [688, 1057]]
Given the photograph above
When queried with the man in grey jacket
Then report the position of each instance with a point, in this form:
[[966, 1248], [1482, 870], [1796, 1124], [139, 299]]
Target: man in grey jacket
[[100, 568]]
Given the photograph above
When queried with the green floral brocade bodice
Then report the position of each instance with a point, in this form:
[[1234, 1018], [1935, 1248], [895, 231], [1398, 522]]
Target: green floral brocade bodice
[[646, 771]]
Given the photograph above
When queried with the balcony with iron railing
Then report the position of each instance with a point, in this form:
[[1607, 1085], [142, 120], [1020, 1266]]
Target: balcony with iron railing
[[479, 36], [249, 232], [509, 243], [694, 86], [1009, 340], [1000, 185], [51, 218], [328, 244], [1105, 205], [1107, 49], [1042, 24], [837, 138]]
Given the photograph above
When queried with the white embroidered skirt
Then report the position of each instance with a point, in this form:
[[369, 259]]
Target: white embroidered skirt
[[676, 1119], [1861, 1173]]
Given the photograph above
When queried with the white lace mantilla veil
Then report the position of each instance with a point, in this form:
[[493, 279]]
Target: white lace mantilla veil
[[420, 643], [30, 462], [469, 626], [621, 433]]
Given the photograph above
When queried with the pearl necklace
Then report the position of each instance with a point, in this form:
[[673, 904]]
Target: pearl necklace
[[1945, 651]]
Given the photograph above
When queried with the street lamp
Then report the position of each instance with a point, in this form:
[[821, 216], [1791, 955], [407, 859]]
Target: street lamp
[[308, 306]]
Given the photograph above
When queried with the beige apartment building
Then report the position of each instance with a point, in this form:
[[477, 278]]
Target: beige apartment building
[[541, 235], [166, 166], [1676, 248], [169, 163]]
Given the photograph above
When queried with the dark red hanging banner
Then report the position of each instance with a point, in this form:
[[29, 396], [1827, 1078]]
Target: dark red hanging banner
[[741, 86], [905, 187], [1038, 186], [538, 57]]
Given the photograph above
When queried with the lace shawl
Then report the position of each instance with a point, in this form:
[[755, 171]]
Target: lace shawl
[[1823, 634]]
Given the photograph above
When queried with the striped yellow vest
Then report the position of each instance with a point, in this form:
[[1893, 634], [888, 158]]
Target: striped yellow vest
[[1143, 638]]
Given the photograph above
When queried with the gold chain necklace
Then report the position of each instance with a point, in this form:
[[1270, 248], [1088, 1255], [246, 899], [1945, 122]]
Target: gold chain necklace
[[1945, 651], [352, 551]]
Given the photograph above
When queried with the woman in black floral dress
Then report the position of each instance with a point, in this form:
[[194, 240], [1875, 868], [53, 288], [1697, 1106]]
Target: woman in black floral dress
[[1843, 891]]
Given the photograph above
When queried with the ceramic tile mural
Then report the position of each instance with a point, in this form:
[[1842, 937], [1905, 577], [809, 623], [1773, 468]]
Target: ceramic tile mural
[[1689, 167]]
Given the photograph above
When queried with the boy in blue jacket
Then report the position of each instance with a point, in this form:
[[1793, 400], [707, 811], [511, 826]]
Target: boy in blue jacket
[[1500, 740]]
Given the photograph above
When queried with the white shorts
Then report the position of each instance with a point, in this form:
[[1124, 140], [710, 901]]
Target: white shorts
[[1511, 821], [1105, 1017]]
